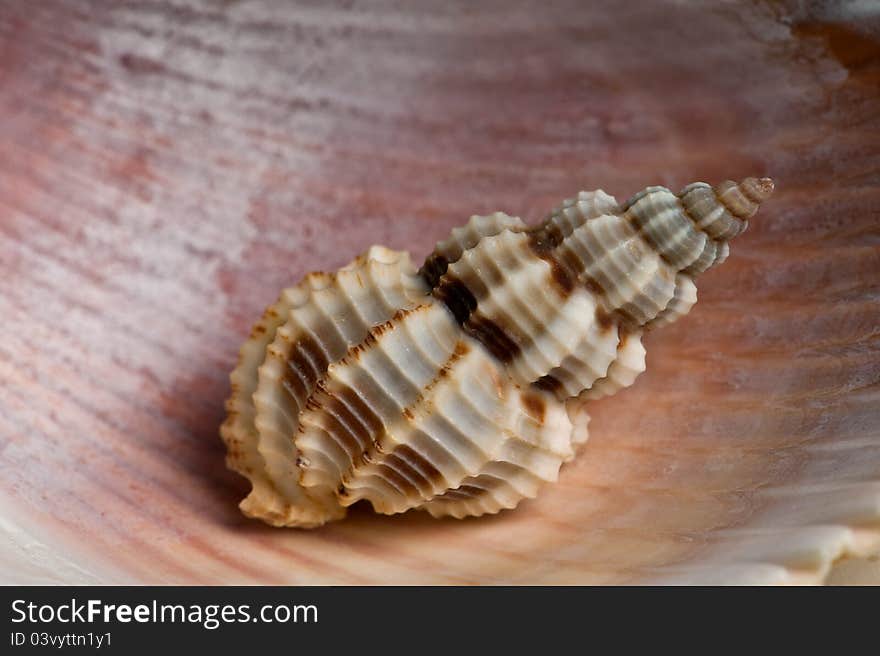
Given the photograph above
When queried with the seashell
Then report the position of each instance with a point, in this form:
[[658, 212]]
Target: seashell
[[461, 387]]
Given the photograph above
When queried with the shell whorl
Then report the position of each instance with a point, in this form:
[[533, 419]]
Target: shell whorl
[[459, 388]]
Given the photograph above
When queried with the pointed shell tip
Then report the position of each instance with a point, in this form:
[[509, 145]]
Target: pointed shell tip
[[766, 186], [759, 189]]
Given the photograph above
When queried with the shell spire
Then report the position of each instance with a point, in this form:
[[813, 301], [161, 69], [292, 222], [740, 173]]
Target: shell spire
[[690, 230], [459, 388]]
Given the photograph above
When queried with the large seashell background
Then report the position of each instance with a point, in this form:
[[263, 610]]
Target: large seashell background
[[166, 169]]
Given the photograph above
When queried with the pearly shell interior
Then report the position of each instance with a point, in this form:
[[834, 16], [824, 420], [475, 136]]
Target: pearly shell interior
[[153, 206]]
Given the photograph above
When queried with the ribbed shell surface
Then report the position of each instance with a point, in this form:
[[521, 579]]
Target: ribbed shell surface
[[460, 388]]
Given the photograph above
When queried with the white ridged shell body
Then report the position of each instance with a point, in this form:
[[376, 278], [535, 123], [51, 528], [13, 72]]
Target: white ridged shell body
[[460, 388]]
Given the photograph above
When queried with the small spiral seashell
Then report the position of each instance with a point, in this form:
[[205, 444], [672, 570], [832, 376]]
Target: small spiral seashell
[[460, 388]]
